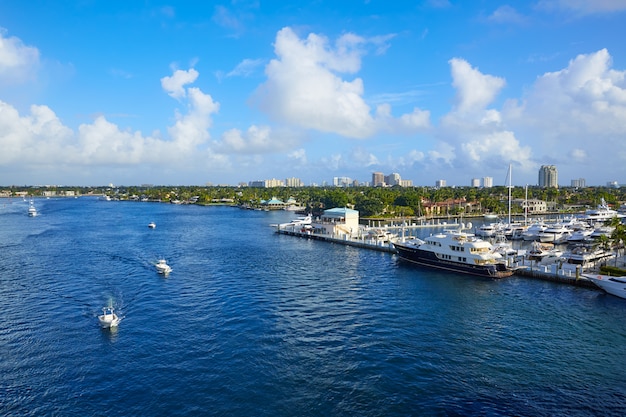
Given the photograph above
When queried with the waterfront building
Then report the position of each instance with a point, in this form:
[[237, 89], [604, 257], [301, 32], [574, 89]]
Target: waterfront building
[[548, 176], [532, 206], [339, 221]]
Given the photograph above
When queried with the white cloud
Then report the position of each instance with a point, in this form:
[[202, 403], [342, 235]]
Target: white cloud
[[582, 106], [506, 15], [474, 89], [245, 68], [18, 62], [304, 88], [40, 137], [175, 85], [299, 155], [257, 139]]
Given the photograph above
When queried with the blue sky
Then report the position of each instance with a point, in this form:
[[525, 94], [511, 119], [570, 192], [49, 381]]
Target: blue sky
[[190, 93]]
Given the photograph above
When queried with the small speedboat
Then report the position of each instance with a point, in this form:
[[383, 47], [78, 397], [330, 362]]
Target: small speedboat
[[152, 225], [109, 318], [162, 267], [32, 211]]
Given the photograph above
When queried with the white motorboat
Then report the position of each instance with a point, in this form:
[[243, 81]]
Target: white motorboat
[[162, 267], [556, 233], [612, 285], [586, 254], [603, 213], [109, 318], [32, 211], [297, 222], [152, 225], [532, 232]]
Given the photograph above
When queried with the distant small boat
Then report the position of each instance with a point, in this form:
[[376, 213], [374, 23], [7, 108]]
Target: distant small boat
[[612, 285], [32, 211], [108, 318], [152, 225], [162, 267]]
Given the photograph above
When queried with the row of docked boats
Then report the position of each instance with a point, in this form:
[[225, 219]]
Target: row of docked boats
[[463, 252], [591, 225]]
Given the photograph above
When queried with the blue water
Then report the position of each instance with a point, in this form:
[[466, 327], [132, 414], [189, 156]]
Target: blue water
[[251, 323]]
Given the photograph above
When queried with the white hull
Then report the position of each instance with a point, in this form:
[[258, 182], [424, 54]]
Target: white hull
[[162, 267], [612, 285], [108, 318]]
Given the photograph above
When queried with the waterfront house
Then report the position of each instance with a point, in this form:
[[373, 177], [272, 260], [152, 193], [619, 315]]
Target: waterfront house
[[337, 222]]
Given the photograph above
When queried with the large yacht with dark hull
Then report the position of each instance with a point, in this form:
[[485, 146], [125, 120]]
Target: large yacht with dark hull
[[455, 251]]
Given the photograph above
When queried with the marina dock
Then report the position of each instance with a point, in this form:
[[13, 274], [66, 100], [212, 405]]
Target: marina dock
[[523, 268]]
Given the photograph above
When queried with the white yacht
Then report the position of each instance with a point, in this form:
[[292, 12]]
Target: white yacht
[[556, 233], [455, 251], [533, 231], [152, 225], [108, 318], [603, 213], [162, 267], [612, 285], [297, 222]]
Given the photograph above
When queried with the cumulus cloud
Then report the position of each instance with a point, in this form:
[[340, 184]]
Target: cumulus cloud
[[257, 139], [474, 135], [18, 62], [304, 87], [474, 89], [40, 137], [575, 107], [175, 85]]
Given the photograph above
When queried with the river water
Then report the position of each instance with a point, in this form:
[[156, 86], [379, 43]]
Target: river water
[[252, 323]]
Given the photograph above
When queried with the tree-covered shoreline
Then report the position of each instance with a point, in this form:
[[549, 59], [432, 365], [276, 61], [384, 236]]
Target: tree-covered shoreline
[[381, 202]]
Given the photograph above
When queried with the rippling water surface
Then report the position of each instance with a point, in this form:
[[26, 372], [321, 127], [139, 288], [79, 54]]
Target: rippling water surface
[[251, 323]]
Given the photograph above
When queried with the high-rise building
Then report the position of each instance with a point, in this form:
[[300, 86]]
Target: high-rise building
[[440, 183], [548, 176], [579, 183], [393, 179], [342, 181], [378, 179], [475, 182], [488, 182], [294, 182]]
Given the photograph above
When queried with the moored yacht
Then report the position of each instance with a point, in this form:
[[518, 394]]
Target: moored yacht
[[603, 213], [612, 285], [455, 251]]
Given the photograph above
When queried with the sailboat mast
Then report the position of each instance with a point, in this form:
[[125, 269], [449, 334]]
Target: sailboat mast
[[510, 182]]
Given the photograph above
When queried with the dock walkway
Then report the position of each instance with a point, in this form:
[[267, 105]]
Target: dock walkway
[[551, 273]]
